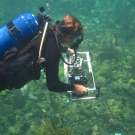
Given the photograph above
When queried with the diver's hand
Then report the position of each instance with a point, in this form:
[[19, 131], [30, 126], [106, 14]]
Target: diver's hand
[[79, 89], [71, 51]]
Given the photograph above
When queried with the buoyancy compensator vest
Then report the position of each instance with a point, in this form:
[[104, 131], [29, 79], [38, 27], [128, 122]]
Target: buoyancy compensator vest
[[26, 26], [16, 71]]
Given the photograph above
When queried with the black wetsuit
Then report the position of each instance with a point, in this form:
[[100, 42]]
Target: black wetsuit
[[52, 56]]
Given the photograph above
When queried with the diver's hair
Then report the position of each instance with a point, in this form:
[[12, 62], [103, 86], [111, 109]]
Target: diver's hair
[[73, 24]]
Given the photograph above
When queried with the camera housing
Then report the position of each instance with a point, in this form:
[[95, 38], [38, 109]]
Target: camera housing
[[76, 74]]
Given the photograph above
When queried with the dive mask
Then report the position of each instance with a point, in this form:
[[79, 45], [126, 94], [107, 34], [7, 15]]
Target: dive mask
[[64, 32]]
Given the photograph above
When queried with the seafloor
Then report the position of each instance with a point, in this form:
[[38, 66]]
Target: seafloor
[[109, 34]]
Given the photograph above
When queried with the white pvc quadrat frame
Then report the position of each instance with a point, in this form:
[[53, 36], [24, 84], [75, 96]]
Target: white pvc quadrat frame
[[66, 77]]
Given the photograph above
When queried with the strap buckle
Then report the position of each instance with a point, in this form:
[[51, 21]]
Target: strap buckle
[[13, 30]]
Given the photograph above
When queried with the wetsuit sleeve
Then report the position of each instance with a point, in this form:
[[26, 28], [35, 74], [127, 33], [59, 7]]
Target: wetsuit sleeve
[[52, 56]]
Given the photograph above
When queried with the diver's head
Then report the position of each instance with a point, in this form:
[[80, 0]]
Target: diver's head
[[70, 31]]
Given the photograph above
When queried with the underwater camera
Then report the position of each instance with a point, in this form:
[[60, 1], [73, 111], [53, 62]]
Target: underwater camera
[[75, 72], [80, 73]]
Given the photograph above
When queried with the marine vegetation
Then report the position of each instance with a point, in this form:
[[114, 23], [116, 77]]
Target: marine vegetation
[[48, 128], [109, 35]]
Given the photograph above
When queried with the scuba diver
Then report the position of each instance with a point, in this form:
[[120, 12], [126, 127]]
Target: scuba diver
[[19, 55]]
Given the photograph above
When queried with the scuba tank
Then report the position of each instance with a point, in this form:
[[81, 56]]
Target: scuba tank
[[23, 27]]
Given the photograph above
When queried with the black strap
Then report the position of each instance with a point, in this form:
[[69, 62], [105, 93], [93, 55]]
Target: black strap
[[12, 28], [16, 34]]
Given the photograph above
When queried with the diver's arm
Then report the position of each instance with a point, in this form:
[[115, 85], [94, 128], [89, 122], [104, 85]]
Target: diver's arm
[[68, 50], [52, 57]]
